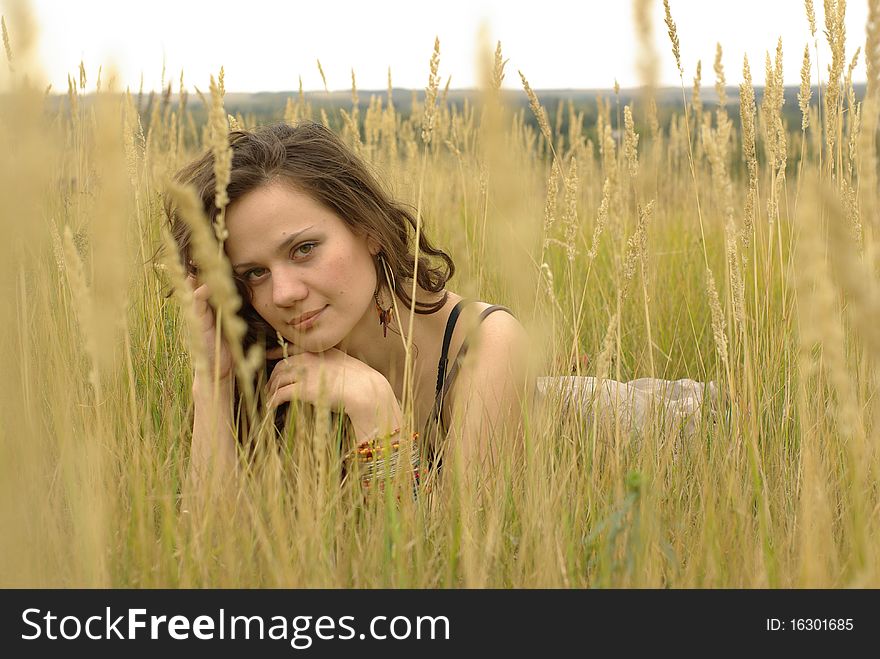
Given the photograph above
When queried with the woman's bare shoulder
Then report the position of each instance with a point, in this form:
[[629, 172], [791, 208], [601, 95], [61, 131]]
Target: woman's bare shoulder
[[498, 337], [499, 324], [497, 329]]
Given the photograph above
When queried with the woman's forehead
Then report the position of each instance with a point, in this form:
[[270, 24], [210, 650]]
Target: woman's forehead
[[267, 217], [276, 202]]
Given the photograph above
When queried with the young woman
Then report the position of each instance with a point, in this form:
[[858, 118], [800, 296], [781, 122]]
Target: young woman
[[324, 258]]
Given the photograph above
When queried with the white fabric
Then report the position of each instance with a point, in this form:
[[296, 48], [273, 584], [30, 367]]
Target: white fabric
[[676, 404]]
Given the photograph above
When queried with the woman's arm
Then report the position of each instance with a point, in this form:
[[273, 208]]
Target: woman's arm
[[213, 441], [213, 459], [495, 380]]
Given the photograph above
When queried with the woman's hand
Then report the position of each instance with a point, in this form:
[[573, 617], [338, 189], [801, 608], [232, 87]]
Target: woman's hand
[[341, 379], [364, 394], [205, 313]]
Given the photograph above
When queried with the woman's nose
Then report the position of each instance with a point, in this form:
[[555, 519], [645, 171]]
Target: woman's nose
[[287, 288]]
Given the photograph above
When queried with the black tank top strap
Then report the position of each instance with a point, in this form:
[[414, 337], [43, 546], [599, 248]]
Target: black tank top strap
[[447, 339]]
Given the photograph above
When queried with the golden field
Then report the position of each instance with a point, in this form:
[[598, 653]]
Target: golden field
[[712, 239]]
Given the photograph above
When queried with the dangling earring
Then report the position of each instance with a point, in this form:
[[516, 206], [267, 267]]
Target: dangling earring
[[384, 314]]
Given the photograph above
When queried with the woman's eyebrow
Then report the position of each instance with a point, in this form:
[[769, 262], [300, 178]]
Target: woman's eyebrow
[[283, 246]]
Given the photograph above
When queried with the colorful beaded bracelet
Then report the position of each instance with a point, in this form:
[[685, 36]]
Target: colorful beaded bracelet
[[374, 456]]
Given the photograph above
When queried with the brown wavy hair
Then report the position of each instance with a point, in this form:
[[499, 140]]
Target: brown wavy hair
[[316, 162]]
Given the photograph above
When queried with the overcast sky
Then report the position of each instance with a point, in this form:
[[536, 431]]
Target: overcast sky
[[265, 45]]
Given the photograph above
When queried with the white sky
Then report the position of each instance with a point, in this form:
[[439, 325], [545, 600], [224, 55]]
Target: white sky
[[265, 45]]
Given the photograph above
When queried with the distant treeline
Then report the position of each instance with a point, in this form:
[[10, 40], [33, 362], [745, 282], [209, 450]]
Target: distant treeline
[[266, 107], [269, 106]]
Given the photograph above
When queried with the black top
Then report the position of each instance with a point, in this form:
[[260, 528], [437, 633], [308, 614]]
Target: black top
[[444, 381]]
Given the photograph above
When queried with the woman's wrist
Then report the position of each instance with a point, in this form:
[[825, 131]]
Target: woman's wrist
[[203, 388], [376, 414]]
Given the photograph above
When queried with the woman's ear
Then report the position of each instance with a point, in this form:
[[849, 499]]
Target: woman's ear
[[373, 245]]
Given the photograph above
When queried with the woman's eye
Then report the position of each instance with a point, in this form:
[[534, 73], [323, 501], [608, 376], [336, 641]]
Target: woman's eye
[[250, 275], [311, 247], [257, 273]]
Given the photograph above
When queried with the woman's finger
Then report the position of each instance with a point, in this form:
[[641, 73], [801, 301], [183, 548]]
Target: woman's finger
[[206, 314], [285, 394], [285, 372], [202, 292], [200, 302]]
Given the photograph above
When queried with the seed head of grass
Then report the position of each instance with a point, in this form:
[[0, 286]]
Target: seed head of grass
[[390, 89], [603, 361], [811, 16], [570, 219], [355, 102], [213, 266], [718, 325], [431, 94], [498, 68], [547, 276], [202, 98], [609, 150], [737, 283], [631, 142], [537, 109], [601, 219], [720, 82], [696, 101], [134, 141], [222, 152], [323, 77], [552, 192], [747, 115], [672, 30], [6, 45], [850, 91], [806, 91], [181, 94], [636, 247], [774, 99]]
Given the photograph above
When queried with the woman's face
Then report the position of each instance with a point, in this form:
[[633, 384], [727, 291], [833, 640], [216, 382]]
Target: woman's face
[[299, 257]]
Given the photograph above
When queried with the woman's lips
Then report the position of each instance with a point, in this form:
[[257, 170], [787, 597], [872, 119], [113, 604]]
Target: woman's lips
[[308, 322]]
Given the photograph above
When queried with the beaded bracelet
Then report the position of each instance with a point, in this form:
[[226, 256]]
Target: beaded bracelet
[[375, 457]]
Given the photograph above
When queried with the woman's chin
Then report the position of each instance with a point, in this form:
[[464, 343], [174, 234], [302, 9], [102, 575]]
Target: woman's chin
[[312, 343]]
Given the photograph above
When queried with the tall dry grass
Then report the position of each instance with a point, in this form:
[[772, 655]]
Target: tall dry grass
[[675, 243]]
